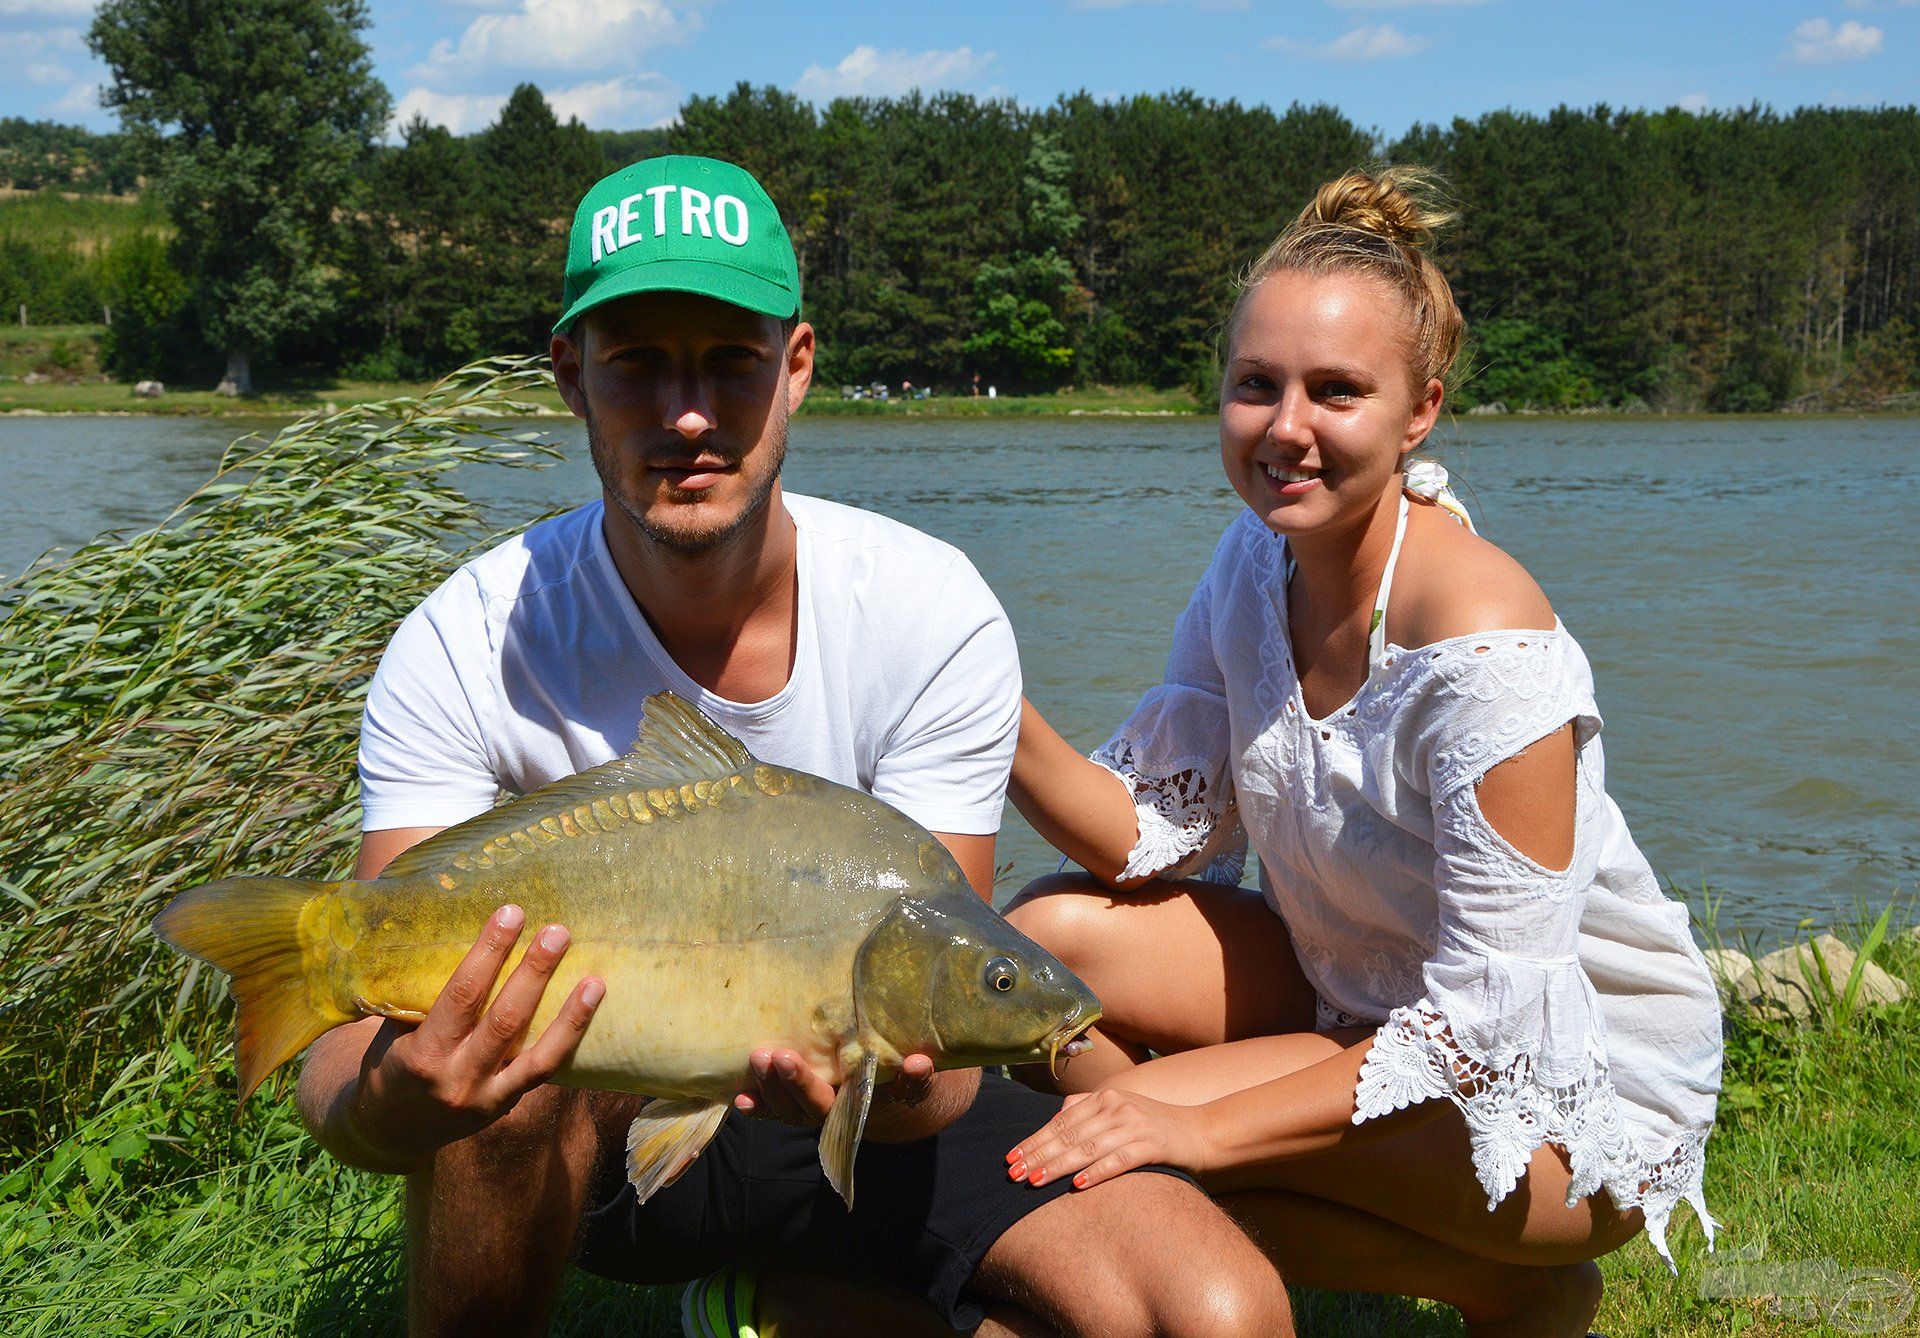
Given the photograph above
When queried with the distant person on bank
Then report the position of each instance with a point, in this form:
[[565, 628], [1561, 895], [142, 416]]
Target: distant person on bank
[[1462, 988], [826, 639]]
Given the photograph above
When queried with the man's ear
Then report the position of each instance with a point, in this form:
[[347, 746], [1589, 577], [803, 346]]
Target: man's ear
[[799, 364], [566, 368]]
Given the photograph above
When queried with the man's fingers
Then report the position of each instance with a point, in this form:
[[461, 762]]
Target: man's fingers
[[788, 1089], [541, 1060], [464, 995], [500, 1032], [914, 1081]]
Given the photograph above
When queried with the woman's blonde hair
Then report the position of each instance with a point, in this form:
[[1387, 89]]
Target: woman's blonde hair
[[1380, 222]]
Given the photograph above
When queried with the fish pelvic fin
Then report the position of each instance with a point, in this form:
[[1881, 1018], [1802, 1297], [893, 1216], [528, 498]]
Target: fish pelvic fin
[[250, 929], [840, 1136], [664, 1141]]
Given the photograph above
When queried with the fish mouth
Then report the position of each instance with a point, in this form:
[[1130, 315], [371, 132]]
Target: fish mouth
[[1070, 1038]]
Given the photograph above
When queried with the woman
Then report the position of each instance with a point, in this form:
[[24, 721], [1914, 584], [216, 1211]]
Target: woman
[[1466, 1045]]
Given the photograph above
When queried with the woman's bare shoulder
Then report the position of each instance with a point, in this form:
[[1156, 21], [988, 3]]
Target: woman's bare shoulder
[[1453, 583]]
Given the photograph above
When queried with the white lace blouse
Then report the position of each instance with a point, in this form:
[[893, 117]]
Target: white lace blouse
[[1569, 1007]]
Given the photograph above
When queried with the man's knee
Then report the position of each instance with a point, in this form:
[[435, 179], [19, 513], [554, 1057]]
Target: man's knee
[[1120, 1276], [1239, 1295]]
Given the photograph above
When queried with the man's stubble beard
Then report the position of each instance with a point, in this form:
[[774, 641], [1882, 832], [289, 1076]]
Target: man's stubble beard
[[687, 543]]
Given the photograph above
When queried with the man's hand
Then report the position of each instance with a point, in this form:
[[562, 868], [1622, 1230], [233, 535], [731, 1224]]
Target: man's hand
[[423, 1087], [789, 1091]]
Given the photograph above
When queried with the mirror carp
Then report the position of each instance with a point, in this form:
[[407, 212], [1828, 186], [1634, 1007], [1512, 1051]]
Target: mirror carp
[[727, 903]]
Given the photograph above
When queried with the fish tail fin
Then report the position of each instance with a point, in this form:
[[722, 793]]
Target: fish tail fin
[[250, 929]]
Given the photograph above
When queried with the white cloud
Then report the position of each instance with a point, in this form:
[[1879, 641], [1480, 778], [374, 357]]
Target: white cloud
[[46, 9], [560, 35], [1694, 102], [461, 113], [46, 72], [1379, 41], [867, 71], [624, 102], [83, 99], [20, 46], [1818, 42]]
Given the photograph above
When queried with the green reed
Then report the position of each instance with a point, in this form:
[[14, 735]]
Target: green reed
[[183, 703]]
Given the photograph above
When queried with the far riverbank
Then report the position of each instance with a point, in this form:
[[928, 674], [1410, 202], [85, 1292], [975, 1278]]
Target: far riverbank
[[84, 399]]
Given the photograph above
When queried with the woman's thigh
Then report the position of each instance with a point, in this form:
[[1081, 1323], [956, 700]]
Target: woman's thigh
[[1177, 965]]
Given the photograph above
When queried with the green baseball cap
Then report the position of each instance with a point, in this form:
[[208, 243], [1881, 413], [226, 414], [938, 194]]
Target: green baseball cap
[[680, 224]]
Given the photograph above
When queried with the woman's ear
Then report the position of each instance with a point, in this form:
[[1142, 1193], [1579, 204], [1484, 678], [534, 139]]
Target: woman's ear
[[1426, 412]]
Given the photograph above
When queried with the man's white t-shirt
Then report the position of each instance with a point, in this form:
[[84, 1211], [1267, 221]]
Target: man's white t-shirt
[[533, 662]]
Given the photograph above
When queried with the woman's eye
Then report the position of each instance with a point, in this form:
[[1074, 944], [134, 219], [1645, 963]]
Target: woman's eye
[[1001, 974], [1338, 390]]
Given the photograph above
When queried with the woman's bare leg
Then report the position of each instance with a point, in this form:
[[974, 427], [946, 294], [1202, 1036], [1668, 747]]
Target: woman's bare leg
[[1318, 1243], [1225, 1005], [1228, 952]]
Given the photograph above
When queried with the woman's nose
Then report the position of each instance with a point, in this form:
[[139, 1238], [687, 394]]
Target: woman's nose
[[1288, 426]]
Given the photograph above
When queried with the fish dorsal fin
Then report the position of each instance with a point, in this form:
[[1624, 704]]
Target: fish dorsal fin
[[680, 744], [678, 749]]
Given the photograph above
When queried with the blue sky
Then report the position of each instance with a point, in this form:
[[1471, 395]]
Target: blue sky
[[1386, 63]]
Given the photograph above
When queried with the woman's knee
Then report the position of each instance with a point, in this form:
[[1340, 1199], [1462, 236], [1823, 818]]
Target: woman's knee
[[1070, 915]]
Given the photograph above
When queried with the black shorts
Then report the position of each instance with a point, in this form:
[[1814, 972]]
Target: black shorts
[[925, 1213]]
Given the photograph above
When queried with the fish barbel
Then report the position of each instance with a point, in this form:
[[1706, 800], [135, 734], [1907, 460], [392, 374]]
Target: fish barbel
[[727, 904]]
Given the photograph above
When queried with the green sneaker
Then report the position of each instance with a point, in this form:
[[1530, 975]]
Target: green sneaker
[[720, 1305]]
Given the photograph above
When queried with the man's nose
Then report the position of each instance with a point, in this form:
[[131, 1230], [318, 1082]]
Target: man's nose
[[689, 407]]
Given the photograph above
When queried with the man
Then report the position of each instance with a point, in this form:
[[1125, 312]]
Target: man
[[828, 640]]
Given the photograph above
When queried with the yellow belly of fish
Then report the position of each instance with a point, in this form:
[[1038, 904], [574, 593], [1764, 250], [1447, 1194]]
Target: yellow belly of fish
[[676, 1020]]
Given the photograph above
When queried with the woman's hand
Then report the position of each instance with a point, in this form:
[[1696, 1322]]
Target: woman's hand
[[1098, 1135]]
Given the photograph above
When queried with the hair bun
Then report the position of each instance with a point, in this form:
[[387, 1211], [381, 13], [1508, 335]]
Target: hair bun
[[1398, 204]]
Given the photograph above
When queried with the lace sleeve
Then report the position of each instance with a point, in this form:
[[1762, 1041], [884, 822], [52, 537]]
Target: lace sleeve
[[1509, 1027], [1171, 753]]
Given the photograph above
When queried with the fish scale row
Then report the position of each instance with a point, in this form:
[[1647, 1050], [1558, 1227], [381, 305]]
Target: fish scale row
[[639, 807]]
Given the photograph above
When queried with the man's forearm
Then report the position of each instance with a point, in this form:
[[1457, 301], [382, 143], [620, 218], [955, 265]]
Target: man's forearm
[[328, 1097]]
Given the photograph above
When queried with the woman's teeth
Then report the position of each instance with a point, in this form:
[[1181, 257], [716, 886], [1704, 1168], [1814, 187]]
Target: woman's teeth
[[1291, 475]]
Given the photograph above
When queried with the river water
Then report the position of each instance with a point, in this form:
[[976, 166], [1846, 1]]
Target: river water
[[1743, 587]]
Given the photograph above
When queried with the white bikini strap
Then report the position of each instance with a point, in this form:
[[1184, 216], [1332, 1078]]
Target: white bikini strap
[[1377, 626]]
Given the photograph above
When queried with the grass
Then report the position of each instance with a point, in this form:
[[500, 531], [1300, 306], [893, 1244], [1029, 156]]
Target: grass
[[183, 703], [84, 222]]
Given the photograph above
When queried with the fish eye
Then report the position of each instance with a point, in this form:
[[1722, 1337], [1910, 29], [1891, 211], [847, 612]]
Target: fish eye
[[1001, 973]]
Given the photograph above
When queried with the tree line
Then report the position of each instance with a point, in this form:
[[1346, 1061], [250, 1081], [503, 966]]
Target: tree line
[[1744, 259]]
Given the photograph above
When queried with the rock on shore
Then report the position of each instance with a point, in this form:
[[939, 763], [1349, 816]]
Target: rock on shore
[[1790, 981]]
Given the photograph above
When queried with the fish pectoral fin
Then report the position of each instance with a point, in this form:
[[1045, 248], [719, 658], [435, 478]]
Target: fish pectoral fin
[[663, 1142], [840, 1137]]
